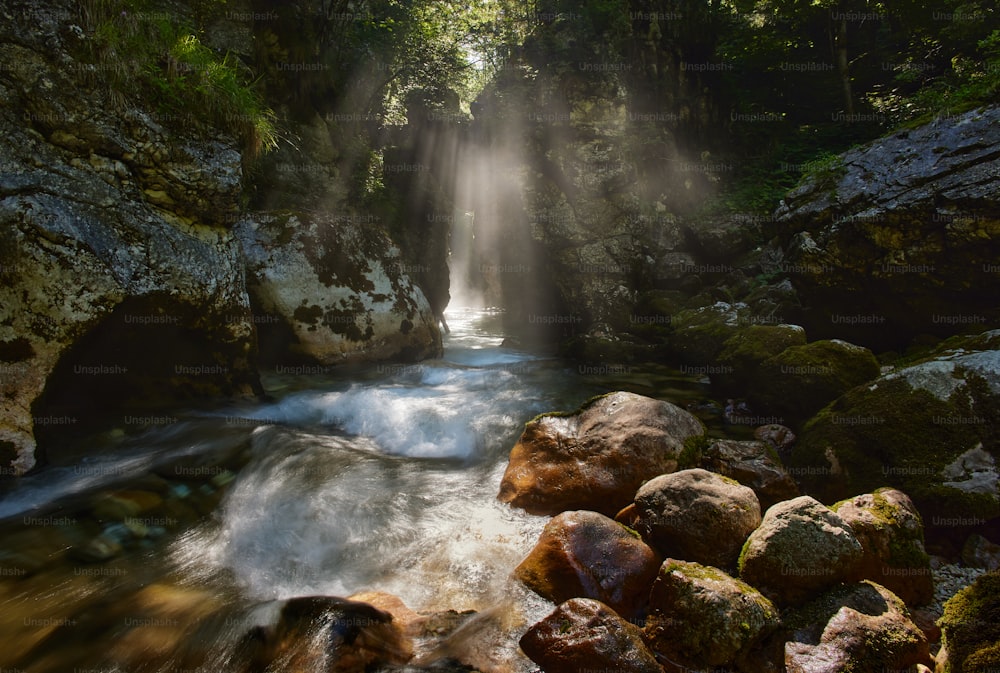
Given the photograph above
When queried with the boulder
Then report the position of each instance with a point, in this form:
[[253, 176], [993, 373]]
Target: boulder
[[745, 351], [584, 634], [780, 437], [971, 628], [891, 533], [871, 238], [597, 457], [697, 515], [801, 380], [347, 636], [587, 555], [701, 617], [800, 548], [332, 293], [978, 552], [754, 464], [699, 335], [925, 429], [858, 627]]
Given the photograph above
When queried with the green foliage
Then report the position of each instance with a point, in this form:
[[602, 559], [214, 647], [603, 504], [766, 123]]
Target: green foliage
[[135, 49]]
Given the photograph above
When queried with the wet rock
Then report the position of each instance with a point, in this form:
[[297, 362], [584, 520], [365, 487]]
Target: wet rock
[[971, 628], [333, 294], [124, 505], [698, 335], [979, 552], [891, 533], [859, 627], [924, 429], [583, 634], [347, 636], [597, 457], [701, 617], [800, 548], [102, 548], [801, 380], [753, 464], [697, 515], [587, 555], [888, 222]]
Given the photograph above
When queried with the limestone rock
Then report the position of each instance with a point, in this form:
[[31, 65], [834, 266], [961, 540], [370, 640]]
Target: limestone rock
[[334, 293], [891, 533], [701, 617], [754, 464], [597, 457], [860, 627], [800, 548], [697, 515], [584, 634], [587, 555], [924, 429], [892, 219]]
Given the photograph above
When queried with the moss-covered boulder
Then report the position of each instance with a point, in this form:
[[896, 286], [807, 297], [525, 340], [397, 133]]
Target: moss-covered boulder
[[928, 429], [862, 628], [970, 628], [698, 335], [754, 464], [587, 555], [891, 533], [744, 352], [801, 380], [696, 515], [597, 457], [584, 634], [699, 616], [801, 547]]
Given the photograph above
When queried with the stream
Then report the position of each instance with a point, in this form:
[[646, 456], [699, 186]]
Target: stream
[[381, 480]]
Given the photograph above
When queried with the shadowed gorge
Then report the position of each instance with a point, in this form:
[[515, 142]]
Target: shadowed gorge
[[499, 336]]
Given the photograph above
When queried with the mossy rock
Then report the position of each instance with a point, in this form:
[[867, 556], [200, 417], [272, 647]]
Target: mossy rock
[[970, 627], [918, 430], [744, 352], [801, 380], [699, 335]]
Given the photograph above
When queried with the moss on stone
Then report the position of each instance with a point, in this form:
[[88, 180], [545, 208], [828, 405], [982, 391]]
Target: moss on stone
[[694, 448], [971, 623]]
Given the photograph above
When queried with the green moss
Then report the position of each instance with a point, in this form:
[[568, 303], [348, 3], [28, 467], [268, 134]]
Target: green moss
[[564, 414], [971, 621], [694, 448]]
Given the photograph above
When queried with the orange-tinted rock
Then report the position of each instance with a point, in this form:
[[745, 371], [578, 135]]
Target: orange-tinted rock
[[891, 533], [583, 634], [596, 458], [587, 555], [753, 464]]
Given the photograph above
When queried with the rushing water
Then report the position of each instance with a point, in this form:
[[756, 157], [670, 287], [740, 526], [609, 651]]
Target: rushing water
[[385, 481]]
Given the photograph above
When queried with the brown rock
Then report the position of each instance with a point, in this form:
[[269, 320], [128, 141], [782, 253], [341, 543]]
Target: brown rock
[[596, 458], [753, 464], [350, 635], [700, 617], [978, 552], [697, 515], [863, 628], [587, 555], [891, 533], [801, 547], [778, 436], [584, 634]]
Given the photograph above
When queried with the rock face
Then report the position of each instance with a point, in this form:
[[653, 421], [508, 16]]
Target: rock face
[[971, 628], [335, 291], [701, 617], [597, 457], [113, 245], [871, 239], [587, 555], [697, 515], [891, 533], [800, 548], [924, 429], [753, 464], [861, 627], [583, 634]]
